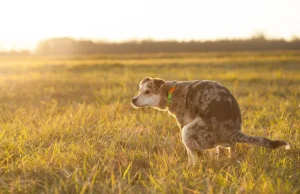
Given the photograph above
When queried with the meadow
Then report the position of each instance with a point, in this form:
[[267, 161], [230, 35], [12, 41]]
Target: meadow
[[67, 125]]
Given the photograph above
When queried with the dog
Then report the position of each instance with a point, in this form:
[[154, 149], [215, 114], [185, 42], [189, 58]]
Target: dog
[[206, 111]]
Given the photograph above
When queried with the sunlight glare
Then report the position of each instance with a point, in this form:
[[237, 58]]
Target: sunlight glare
[[24, 23]]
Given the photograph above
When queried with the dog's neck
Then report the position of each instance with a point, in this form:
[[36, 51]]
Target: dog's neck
[[169, 85], [163, 105]]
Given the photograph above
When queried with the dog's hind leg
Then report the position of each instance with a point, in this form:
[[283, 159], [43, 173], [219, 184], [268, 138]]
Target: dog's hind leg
[[214, 153], [231, 150], [217, 153], [192, 158], [190, 134]]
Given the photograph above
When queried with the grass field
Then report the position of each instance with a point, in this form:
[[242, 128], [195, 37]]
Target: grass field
[[67, 125]]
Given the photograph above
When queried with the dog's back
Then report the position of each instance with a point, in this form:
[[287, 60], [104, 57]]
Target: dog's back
[[212, 102]]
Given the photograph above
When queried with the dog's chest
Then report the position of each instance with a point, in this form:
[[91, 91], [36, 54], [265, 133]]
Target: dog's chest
[[182, 118]]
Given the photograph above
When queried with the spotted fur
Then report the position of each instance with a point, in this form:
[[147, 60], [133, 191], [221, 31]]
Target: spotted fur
[[206, 111]]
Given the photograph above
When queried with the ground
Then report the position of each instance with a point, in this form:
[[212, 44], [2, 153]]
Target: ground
[[67, 125]]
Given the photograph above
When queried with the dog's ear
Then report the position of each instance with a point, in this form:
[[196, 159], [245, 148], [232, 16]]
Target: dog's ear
[[158, 84], [146, 79]]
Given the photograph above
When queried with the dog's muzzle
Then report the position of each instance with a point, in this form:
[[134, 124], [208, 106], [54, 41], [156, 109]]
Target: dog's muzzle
[[134, 100]]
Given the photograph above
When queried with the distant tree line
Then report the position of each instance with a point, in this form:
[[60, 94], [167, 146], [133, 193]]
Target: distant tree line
[[68, 46], [15, 53]]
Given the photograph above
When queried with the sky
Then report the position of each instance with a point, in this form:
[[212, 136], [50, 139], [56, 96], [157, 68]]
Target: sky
[[24, 23]]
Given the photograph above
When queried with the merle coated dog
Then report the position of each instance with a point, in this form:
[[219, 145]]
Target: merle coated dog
[[206, 111]]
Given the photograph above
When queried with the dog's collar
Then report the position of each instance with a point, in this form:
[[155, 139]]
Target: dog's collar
[[170, 95]]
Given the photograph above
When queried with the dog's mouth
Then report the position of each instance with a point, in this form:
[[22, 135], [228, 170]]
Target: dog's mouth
[[138, 106]]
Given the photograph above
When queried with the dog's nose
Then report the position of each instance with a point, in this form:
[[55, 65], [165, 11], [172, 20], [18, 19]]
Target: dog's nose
[[133, 100]]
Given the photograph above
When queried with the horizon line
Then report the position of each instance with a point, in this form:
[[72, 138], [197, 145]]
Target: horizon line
[[135, 40]]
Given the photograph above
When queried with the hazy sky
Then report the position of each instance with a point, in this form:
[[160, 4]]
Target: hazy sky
[[24, 23]]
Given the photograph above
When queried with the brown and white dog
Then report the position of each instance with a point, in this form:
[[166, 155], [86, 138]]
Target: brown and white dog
[[206, 111]]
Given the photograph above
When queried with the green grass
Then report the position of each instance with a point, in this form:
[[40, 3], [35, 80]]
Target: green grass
[[67, 126]]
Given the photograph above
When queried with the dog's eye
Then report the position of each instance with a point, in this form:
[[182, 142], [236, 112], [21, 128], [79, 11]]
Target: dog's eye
[[147, 92]]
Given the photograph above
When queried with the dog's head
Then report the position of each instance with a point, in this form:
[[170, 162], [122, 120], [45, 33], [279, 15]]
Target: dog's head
[[150, 93]]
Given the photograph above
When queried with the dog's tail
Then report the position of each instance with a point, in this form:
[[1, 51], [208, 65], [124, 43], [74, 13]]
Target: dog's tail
[[261, 141]]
